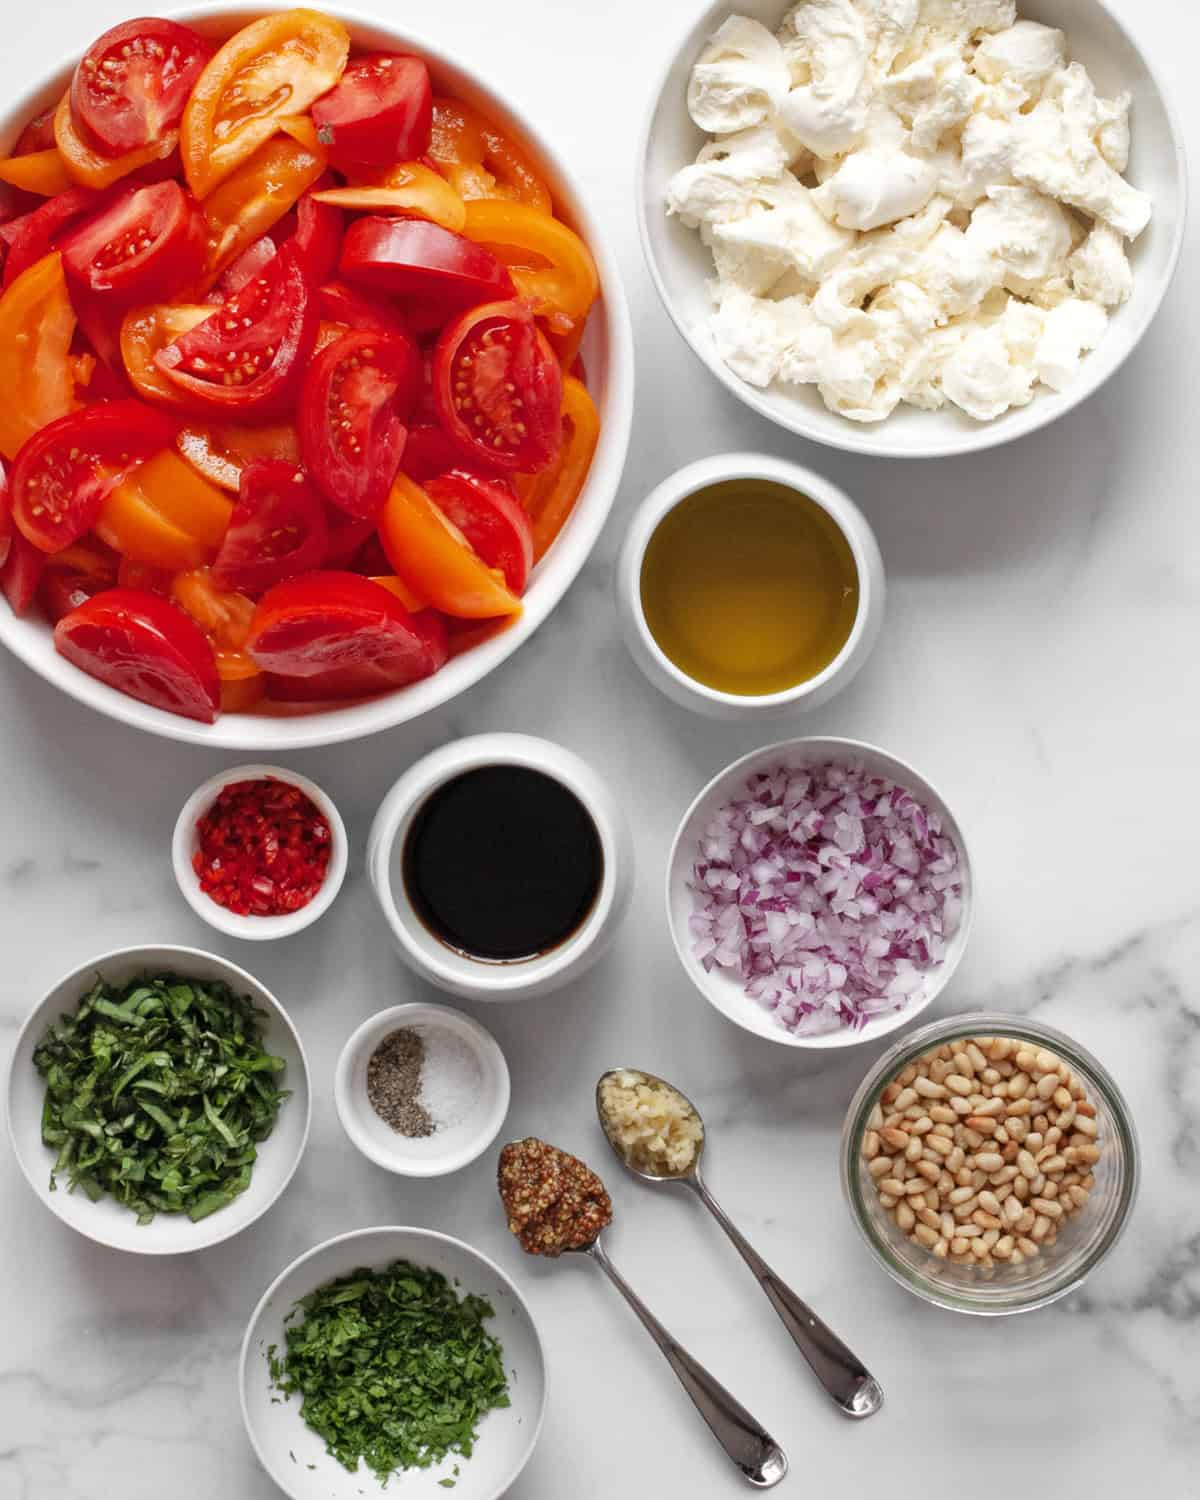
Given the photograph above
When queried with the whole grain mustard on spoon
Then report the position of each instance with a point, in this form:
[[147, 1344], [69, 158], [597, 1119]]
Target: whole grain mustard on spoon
[[659, 1136], [556, 1205]]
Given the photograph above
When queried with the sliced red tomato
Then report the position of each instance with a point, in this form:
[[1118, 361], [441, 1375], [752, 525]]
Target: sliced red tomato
[[92, 168], [343, 624], [549, 497], [145, 332], [347, 538], [340, 303], [138, 575], [413, 258], [408, 187], [249, 264], [221, 450], [254, 199], [498, 388], [271, 69], [480, 160], [73, 576], [165, 515], [6, 520], [37, 324], [357, 397], [38, 134], [22, 573], [144, 647], [146, 244], [435, 559], [43, 173], [34, 235], [491, 518], [134, 81], [63, 473], [250, 356], [318, 236], [381, 112], [278, 529], [428, 452]]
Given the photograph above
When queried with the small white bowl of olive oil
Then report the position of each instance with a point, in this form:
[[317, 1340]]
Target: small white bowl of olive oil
[[749, 587]]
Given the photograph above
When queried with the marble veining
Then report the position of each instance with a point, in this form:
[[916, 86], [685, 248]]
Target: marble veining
[[1038, 664]]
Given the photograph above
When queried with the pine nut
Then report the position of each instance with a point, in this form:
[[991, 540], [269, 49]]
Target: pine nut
[[914, 1149], [1047, 1085], [1046, 1062], [1026, 1246], [928, 1171], [1013, 1209], [989, 1161], [904, 1098], [921, 1126], [897, 1139], [962, 1195], [905, 1217], [871, 1144], [942, 1114], [930, 1090], [957, 1084], [887, 1200], [989, 1202], [927, 1216], [925, 1235], [1047, 1206], [1041, 1227], [1028, 1165], [1003, 1247]]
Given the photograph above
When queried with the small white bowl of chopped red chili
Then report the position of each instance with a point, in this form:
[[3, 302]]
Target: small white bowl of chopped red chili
[[820, 893], [421, 1089], [259, 852]]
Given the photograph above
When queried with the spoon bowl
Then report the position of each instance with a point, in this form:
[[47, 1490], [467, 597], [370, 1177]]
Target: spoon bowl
[[854, 1390]]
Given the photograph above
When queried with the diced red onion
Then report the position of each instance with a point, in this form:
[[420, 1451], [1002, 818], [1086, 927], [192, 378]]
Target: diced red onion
[[830, 893]]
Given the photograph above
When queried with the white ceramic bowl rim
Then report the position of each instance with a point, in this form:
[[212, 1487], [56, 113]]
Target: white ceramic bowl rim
[[350, 1104], [184, 843], [411, 792], [874, 440], [247, 1351], [30, 640], [812, 749], [208, 1232], [706, 473]]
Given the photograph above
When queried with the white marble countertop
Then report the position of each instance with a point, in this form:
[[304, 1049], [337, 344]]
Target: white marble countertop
[[1038, 664]]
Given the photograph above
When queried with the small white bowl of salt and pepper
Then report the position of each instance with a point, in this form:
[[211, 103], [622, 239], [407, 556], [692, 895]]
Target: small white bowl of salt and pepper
[[421, 1089]]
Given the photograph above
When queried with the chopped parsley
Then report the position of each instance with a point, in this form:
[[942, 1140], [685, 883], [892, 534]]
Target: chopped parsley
[[392, 1368]]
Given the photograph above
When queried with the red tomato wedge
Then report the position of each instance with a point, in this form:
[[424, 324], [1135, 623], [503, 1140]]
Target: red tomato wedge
[[145, 245], [6, 520], [250, 355], [358, 394], [491, 518], [318, 236], [64, 472], [73, 576], [144, 647], [428, 452], [145, 331], [435, 559], [134, 81], [413, 258], [345, 624], [221, 450], [278, 529], [381, 112], [38, 134], [498, 388], [32, 236], [340, 303], [271, 69]]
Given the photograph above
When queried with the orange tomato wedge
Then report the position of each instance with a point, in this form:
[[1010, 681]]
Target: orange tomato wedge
[[410, 188], [37, 323], [220, 451], [165, 515], [433, 558], [410, 599], [87, 166], [254, 197], [144, 332], [480, 161], [266, 73], [550, 497], [225, 620], [42, 172], [549, 264]]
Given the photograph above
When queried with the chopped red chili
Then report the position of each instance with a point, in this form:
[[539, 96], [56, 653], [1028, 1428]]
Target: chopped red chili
[[264, 848]]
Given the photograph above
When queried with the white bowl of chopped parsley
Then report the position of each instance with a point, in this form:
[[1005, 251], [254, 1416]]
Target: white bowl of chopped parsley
[[393, 1354], [158, 1100]]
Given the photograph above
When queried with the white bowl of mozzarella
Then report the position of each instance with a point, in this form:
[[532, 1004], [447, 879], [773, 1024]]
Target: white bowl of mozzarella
[[912, 228]]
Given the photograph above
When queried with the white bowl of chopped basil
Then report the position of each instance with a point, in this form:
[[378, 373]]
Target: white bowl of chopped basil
[[158, 1100], [393, 1354]]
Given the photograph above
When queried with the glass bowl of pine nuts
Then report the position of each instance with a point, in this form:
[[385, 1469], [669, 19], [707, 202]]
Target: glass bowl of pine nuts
[[990, 1163]]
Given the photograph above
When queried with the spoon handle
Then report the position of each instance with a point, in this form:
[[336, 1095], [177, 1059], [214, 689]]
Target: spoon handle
[[854, 1389], [752, 1449]]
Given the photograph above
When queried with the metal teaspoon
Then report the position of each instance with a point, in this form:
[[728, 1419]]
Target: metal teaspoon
[[855, 1391]]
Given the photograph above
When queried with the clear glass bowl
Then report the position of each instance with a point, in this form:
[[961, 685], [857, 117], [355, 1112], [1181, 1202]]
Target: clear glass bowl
[[1083, 1241]]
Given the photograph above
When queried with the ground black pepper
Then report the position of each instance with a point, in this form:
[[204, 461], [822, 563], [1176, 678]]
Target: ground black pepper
[[394, 1082]]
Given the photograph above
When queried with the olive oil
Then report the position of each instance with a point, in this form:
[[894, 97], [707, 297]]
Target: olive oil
[[749, 587]]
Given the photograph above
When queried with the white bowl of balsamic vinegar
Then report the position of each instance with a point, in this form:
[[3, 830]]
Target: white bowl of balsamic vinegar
[[502, 864]]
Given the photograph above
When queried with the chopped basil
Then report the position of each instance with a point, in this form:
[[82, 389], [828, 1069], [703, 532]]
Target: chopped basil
[[393, 1368], [157, 1094]]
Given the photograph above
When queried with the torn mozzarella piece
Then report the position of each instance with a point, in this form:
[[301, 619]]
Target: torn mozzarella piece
[[1028, 234], [784, 231], [740, 79], [956, 272], [934, 95], [728, 177], [1100, 270], [981, 378], [827, 113], [1071, 330], [1026, 53], [872, 188], [755, 336]]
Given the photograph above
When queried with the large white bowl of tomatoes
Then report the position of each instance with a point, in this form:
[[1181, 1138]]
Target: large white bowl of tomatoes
[[317, 373]]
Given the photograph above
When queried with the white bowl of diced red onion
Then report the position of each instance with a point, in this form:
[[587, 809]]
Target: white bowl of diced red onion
[[819, 893]]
